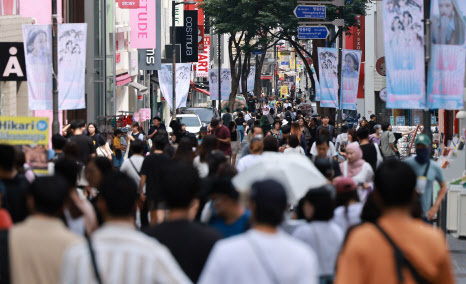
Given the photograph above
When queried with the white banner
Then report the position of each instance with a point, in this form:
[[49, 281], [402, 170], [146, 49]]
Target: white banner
[[71, 66], [350, 78], [251, 78], [213, 84], [328, 75], [38, 54], [183, 78], [225, 83]]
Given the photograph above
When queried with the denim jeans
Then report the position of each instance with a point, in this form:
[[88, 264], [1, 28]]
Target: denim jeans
[[240, 129]]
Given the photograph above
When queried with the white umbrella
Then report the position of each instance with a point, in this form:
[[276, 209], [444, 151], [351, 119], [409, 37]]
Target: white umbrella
[[295, 172]]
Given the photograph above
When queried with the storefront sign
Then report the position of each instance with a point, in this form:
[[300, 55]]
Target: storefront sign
[[328, 75], [128, 4], [417, 120], [203, 64], [189, 37], [433, 120], [12, 63], [350, 78], [392, 120], [149, 59], [404, 54], [447, 66], [400, 120], [143, 25]]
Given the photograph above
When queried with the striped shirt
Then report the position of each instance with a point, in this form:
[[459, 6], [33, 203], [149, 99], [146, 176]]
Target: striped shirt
[[123, 255]]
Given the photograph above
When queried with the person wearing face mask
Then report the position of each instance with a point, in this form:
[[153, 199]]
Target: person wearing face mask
[[427, 171]]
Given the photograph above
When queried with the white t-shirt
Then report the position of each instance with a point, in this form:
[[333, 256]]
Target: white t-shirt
[[325, 239], [256, 257], [366, 175], [353, 217], [247, 161], [330, 153], [128, 169], [298, 150], [341, 139], [202, 167]]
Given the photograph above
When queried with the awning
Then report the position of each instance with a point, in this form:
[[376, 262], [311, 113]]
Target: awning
[[139, 87], [266, 77], [198, 89], [123, 79]]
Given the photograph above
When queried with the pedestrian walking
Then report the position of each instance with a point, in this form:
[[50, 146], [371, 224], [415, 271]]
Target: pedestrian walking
[[348, 206], [86, 147], [256, 147], [397, 248], [235, 141], [387, 142], [263, 254], [321, 233], [375, 137], [293, 146], [240, 125], [223, 136], [209, 144], [370, 152]]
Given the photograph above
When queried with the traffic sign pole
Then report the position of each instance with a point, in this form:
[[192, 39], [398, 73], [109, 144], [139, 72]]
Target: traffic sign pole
[[337, 22], [311, 12]]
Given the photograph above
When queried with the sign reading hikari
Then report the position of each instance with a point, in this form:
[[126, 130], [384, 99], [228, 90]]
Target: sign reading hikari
[[24, 130]]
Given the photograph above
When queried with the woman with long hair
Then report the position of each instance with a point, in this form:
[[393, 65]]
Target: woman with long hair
[[184, 151], [293, 146], [93, 133], [296, 130], [276, 130], [209, 144], [352, 136], [348, 207], [304, 129]]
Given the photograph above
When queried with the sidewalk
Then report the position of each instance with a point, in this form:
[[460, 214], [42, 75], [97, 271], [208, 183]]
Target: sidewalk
[[458, 255]]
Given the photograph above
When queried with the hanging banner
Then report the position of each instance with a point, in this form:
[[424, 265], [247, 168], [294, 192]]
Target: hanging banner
[[404, 54], [189, 37], [317, 85], [328, 75], [143, 26], [38, 54], [283, 90], [203, 64], [350, 78], [445, 84], [71, 66], [251, 79], [225, 83], [183, 78]]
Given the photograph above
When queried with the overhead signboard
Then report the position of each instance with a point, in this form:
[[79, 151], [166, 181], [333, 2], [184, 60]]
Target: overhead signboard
[[319, 32], [311, 12], [258, 52], [12, 63]]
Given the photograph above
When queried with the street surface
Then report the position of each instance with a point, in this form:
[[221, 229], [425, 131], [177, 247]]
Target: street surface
[[458, 255]]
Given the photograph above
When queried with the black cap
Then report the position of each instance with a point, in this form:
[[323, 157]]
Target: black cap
[[286, 129], [203, 129], [269, 194]]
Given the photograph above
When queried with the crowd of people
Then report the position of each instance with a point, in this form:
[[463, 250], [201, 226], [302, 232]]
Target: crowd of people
[[114, 211]]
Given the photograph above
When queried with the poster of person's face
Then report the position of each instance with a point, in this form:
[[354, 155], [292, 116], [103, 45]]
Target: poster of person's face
[[351, 63], [448, 22], [35, 156], [405, 18]]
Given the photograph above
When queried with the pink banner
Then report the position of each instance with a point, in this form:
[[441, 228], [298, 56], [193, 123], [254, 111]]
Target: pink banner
[[40, 10], [143, 25]]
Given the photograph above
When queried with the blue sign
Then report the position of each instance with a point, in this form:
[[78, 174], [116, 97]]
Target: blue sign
[[258, 52], [392, 120], [400, 120], [311, 12], [417, 120], [312, 32], [433, 120]]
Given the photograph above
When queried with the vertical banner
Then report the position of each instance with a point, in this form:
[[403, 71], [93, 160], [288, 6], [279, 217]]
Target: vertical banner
[[225, 83], [251, 79], [188, 38], [357, 41], [143, 26], [328, 75], [404, 54], [213, 84], [350, 78], [38, 54], [71, 66], [317, 85], [447, 67], [203, 64], [183, 72]]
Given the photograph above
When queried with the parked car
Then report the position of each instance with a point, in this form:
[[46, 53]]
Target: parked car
[[192, 121], [205, 114]]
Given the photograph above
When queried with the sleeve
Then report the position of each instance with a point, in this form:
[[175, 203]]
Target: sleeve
[[145, 168], [439, 174], [212, 272], [309, 269], [391, 138]]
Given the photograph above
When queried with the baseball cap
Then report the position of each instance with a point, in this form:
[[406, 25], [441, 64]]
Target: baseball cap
[[344, 184], [423, 139]]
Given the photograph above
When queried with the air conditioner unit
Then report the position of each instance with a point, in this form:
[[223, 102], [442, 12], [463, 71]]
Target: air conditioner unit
[[452, 207]]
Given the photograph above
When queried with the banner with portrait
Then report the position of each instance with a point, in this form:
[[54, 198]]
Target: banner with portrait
[[404, 53], [225, 83], [38, 54], [213, 84], [71, 66], [317, 85], [328, 75], [183, 78], [251, 78], [351, 65], [445, 84]]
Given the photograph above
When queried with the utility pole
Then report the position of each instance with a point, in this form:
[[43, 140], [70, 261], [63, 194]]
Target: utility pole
[[174, 60], [219, 46], [428, 48], [55, 122], [340, 55]]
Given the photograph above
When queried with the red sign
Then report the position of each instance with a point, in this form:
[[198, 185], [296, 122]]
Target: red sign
[[357, 42], [140, 97], [118, 57], [128, 4], [203, 61]]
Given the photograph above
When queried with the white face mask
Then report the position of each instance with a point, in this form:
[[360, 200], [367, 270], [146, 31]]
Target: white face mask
[[380, 131]]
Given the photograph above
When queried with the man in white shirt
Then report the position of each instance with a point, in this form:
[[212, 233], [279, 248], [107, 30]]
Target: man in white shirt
[[263, 254], [122, 254]]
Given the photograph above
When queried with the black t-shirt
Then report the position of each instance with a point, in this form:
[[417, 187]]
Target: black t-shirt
[[371, 126], [190, 243], [369, 154], [152, 169], [234, 135], [153, 128], [14, 198], [85, 147], [239, 121], [251, 105], [227, 117]]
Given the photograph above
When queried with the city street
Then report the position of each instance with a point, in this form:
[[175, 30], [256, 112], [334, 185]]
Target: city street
[[458, 254]]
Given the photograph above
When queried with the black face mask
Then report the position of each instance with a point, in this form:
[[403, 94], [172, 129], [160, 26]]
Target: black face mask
[[422, 155]]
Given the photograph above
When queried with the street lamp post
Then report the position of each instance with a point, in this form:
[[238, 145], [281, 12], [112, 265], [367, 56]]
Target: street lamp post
[[174, 4], [55, 122]]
